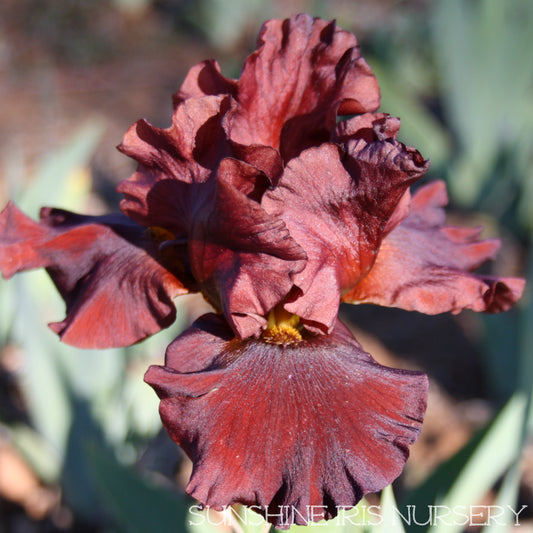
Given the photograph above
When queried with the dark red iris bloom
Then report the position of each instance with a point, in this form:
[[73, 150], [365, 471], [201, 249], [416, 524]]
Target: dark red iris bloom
[[259, 198]]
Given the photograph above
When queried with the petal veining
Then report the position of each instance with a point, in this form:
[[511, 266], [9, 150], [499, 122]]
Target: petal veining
[[111, 276], [288, 429]]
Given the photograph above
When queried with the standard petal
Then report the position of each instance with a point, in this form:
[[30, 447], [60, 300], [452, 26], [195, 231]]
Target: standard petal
[[110, 275], [174, 163], [202, 80], [244, 258], [425, 266], [296, 432], [337, 206], [370, 127], [290, 89]]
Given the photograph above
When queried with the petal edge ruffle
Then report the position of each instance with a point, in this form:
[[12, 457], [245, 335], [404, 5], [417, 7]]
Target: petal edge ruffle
[[316, 425], [425, 266], [116, 291]]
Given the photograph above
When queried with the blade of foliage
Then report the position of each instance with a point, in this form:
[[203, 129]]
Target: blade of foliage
[[491, 458], [135, 504], [41, 383], [7, 306], [77, 478], [506, 501], [508, 493], [463, 479], [391, 522], [486, 81], [502, 334]]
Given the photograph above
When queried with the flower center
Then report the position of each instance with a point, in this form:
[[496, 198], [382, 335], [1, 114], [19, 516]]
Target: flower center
[[159, 235], [282, 328], [168, 252]]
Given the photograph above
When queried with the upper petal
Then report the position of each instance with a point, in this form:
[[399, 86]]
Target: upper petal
[[243, 257], [110, 275], [290, 89], [337, 206], [173, 163], [370, 127], [311, 426], [426, 266], [202, 80]]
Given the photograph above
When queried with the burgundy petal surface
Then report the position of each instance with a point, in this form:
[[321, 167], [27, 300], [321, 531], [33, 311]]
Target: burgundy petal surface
[[110, 275], [425, 266], [295, 431], [205, 79], [337, 206], [174, 163], [370, 127], [291, 88], [244, 258], [304, 71]]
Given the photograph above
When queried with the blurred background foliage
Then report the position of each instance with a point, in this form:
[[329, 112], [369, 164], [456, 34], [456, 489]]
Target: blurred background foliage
[[81, 445]]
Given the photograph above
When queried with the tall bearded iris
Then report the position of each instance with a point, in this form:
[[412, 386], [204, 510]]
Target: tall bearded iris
[[258, 197]]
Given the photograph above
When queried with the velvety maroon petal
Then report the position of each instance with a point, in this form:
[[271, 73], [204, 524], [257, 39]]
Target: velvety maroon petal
[[425, 266], [370, 127], [205, 79], [244, 258], [297, 431], [337, 206], [110, 275], [264, 158], [290, 89], [209, 203], [164, 191]]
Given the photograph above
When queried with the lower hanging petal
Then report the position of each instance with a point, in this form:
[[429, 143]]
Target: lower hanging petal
[[425, 266], [109, 273], [295, 431]]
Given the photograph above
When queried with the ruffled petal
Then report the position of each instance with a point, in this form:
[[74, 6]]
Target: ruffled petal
[[174, 163], [425, 266], [290, 89], [109, 273], [205, 79], [243, 258], [370, 127], [337, 206], [296, 432], [303, 73]]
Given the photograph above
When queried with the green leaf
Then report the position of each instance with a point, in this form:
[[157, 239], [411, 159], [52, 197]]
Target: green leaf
[[508, 494], [486, 82], [77, 478], [492, 457], [391, 522], [467, 476], [506, 502], [136, 505], [41, 381], [7, 307]]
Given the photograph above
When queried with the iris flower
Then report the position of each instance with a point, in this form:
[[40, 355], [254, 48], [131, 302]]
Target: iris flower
[[261, 198]]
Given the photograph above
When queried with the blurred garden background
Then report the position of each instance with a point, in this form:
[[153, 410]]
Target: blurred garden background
[[81, 445]]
